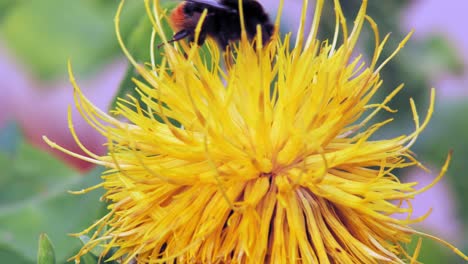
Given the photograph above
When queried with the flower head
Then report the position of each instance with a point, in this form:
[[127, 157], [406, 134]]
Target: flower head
[[268, 159]]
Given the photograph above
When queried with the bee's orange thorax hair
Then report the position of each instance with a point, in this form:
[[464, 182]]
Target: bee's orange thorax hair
[[177, 18]]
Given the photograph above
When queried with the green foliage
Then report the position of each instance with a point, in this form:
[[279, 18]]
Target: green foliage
[[45, 252], [432, 252], [94, 255], [44, 34], [90, 259], [5, 6], [34, 200]]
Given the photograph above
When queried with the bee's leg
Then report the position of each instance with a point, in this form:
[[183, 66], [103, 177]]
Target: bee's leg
[[180, 35], [267, 32], [177, 36], [201, 38], [223, 42]]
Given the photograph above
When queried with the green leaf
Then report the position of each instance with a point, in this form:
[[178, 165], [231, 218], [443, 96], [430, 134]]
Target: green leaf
[[432, 252], [94, 254], [30, 173], [89, 259], [96, 251], [34, 199], [45, 253], [5, 6], [45, 33]]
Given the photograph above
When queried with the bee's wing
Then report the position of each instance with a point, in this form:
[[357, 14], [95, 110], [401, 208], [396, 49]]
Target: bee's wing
[[210, 3]]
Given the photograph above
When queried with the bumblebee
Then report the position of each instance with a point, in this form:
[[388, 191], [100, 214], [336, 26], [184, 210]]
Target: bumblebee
[[222, 22]]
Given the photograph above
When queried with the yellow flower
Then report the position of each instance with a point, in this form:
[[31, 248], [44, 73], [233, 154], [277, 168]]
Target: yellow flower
[[266, 160]]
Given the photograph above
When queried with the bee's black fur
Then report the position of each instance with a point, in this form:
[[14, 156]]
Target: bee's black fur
[[222, 22]]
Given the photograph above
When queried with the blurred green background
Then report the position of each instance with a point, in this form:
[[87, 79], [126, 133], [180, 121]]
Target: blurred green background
[[37, 37]]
